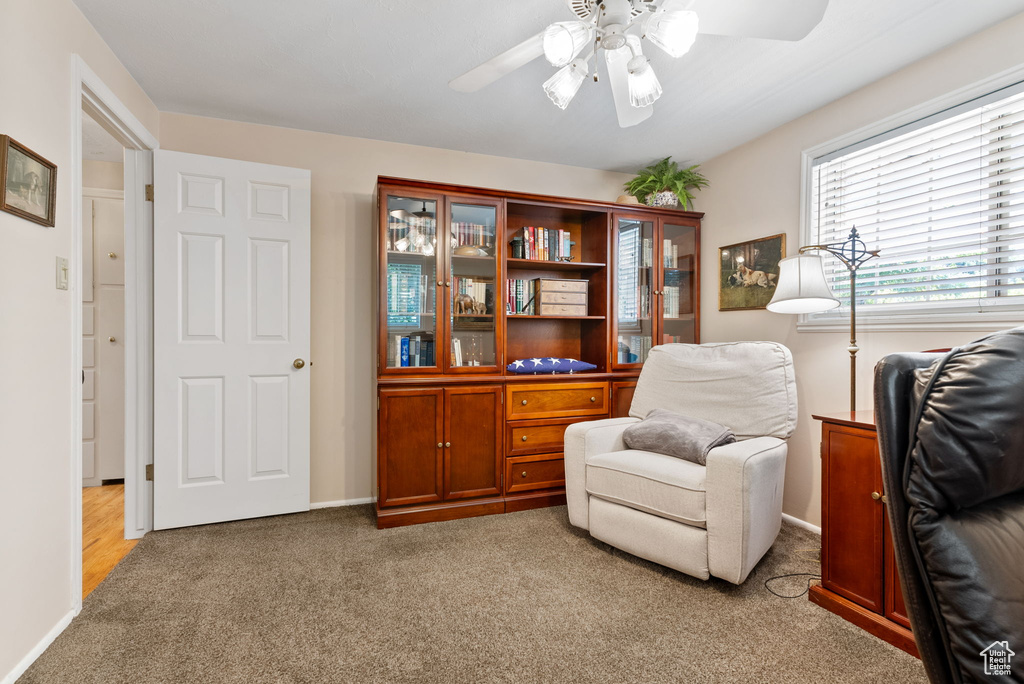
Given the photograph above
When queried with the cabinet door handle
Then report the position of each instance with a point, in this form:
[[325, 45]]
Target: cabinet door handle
[[876, 496], [447, 445], [884, 500], [439, 445], [440, 283], [448, 284]]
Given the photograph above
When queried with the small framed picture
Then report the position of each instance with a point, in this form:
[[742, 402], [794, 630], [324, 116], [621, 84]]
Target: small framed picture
[[749, 273], [30, 183]]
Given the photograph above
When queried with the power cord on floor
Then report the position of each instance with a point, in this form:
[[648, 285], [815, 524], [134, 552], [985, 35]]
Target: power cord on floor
[[810, 578]]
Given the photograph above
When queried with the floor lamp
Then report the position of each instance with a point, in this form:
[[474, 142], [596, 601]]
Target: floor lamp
[[802, 288]]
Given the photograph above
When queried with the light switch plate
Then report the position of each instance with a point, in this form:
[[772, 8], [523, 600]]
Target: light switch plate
[[62, 273]]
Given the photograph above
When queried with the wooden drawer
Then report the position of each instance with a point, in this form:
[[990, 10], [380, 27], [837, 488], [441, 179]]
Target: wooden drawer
[[556, 400], [538, 436], [563, 298], [561, 285], [539, 471]]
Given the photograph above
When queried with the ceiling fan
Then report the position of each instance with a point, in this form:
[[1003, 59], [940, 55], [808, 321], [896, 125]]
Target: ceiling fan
[[619, 29]]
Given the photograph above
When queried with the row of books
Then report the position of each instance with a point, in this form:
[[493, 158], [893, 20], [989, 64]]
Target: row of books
[[411, 350], [409, 294], [472, 234], [636, 351], [521, 296], [544, 244], [670, 302], [669, 253]]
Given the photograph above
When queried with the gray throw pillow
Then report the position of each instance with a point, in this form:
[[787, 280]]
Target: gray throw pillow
[[673, 434]]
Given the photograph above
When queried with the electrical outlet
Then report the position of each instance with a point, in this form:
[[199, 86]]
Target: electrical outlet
[[62, 273]]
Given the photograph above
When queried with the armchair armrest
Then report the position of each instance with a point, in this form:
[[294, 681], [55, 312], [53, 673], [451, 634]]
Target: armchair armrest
[[744, 482], [582, 440]]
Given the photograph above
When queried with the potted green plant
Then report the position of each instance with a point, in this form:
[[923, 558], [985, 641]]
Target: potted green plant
[[665, 184]]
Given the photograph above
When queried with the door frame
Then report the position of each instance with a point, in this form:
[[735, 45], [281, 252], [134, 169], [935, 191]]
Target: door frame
[[90, 94]]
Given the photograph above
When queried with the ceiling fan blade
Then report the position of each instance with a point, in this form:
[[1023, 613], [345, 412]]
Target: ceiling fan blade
[[775, 19], [496, 67], [618, 77]]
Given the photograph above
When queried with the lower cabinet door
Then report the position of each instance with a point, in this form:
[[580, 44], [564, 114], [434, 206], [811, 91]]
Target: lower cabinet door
[[622, 397], [472, 441], [852, 544], [895, 608], [410, 443]]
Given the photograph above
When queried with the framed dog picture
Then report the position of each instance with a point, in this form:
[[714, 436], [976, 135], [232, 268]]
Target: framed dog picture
[[30, 183], [749, 273]]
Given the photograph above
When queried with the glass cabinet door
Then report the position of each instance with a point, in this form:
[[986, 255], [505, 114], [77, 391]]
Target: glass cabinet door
[[472, 282], [634, 286], [411, 281], [678, 292]]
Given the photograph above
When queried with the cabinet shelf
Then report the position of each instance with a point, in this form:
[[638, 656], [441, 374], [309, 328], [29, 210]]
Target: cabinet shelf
[[554, 318], [544, 265]]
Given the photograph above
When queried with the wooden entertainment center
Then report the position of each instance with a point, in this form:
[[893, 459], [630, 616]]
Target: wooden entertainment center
[[458, 435]]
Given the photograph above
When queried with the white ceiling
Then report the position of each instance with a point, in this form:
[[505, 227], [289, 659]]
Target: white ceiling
[[97, 144], [379, 69]]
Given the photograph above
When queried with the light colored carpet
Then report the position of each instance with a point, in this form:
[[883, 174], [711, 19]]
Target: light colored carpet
[[524, 597]]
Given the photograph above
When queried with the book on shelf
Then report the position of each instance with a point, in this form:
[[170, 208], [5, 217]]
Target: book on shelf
[[521, 296], [404, 294], [475, 234], [411, 350], [542, 244]]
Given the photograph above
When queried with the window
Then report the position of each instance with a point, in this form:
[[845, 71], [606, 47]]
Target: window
[[943, 200]]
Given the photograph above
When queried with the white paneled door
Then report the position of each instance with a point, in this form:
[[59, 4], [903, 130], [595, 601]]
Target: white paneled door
[[230, 340]]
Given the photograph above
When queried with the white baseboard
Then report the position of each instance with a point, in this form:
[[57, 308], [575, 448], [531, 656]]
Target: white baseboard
[[37, 651], [341, 502], [800, 523]]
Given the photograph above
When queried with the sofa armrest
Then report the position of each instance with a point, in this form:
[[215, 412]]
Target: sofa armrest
[[582, 440], [744, 482]]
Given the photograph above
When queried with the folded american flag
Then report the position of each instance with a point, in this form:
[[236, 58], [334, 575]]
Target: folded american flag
[[549, 365]]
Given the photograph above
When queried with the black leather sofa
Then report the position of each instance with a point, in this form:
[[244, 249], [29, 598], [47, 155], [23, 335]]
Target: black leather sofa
[[951, 440]]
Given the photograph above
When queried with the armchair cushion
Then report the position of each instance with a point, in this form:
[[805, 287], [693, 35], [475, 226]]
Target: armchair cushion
[[673, 434], [749, 386], [653, 483]]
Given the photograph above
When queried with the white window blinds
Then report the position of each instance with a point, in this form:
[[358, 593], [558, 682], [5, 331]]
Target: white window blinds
[[943, 199]]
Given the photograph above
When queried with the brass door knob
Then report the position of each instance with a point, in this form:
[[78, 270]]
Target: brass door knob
[[440, 283], [876, 496], [448, 284], [298, 363], [447, 444], [593, 398], [524, 402], [439, 445], [524, 438], [111, 339], [524, 473], [112, 255]]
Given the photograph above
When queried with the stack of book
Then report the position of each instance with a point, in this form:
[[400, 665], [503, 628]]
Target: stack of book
[[407, 296], [520, 296], [542, 244], [473, 234], [640, 345], [411, 350], [669, 254]]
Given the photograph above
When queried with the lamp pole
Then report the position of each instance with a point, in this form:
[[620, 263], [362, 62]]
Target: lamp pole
[[852, 252]]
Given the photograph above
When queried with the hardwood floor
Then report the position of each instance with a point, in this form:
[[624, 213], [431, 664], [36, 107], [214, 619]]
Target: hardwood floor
[[103, 542]]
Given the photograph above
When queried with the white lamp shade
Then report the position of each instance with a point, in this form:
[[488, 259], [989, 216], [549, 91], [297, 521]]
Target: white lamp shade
[[562, 87], [802, 287], [564, 40], [672, 28], [644, 88]]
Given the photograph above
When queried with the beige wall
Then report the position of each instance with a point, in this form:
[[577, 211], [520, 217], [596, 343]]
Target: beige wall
[[37, 40], [102, 174], [345, 171], [755, 191]]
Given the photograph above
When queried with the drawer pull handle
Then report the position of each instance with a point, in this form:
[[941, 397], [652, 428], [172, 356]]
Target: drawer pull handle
[[447, 444], [524, 473], [524, 402], [876, 496], [593, 398], [524, 438]]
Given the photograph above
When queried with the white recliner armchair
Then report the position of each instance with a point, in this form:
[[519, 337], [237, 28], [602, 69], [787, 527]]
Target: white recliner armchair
[[717, 519]]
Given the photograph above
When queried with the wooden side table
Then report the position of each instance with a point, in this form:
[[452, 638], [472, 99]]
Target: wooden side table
[[858, 569]]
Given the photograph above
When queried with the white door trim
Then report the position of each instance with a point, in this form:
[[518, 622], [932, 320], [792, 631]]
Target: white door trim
[[102, 193], [89, 93]]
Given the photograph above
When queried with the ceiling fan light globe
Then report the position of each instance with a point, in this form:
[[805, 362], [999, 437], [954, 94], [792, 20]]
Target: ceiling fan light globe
[[644, 87], [564, 85], [564, 40], [674, 31]]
